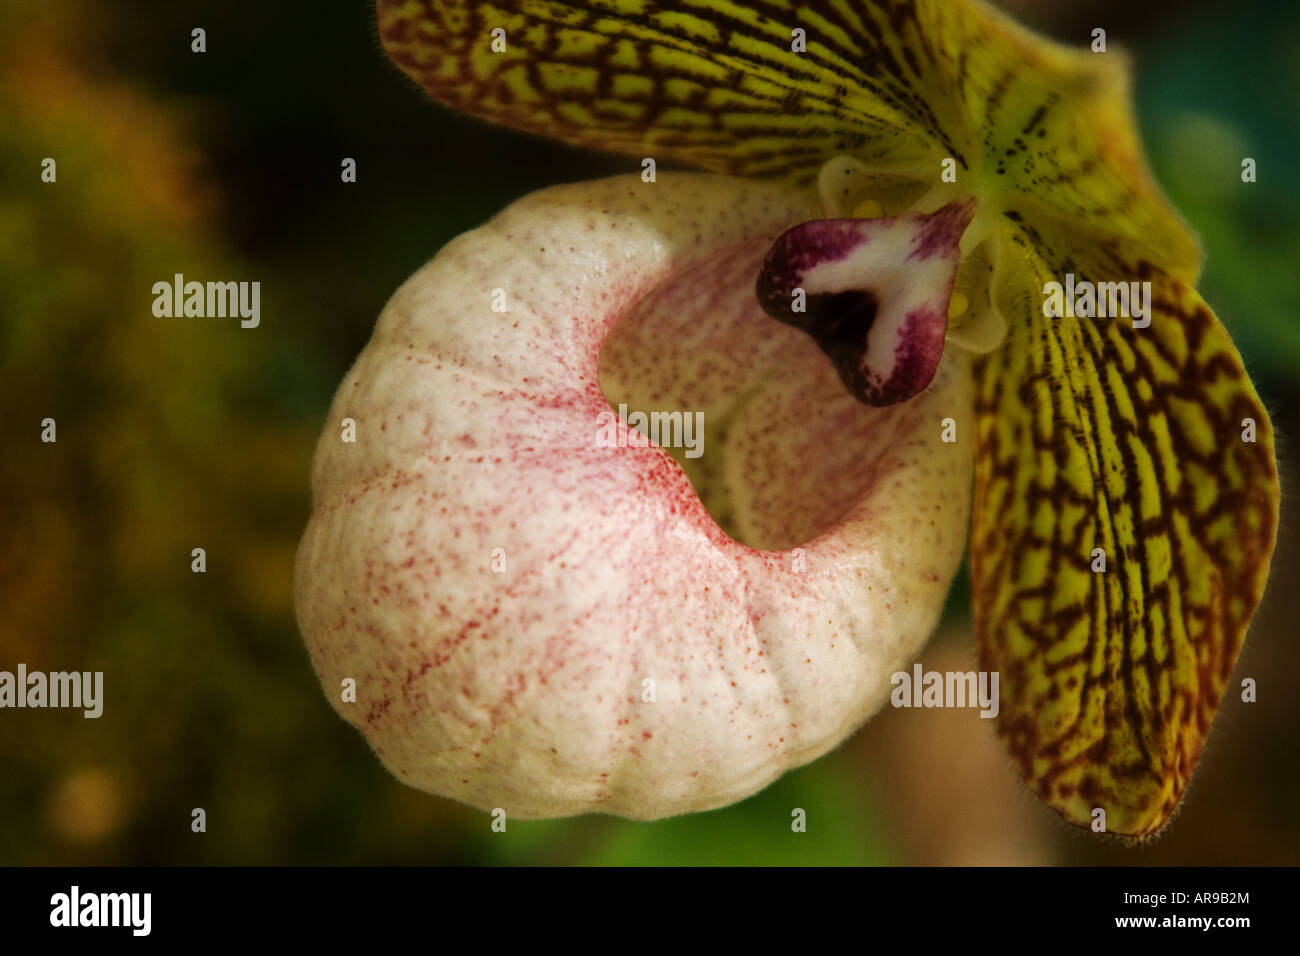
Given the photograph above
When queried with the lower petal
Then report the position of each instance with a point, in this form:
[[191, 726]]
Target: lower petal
[[1125, 512]]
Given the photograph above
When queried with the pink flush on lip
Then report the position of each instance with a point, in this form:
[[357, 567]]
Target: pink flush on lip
[[873, 294]]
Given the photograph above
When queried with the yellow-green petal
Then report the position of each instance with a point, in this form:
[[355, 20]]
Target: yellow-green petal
[[713, 83], [901, 85], [1126, 498]]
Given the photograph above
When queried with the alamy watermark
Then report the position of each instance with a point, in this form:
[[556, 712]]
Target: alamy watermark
[[76, 689], [130, 910], [923, 688], [1101, 300], [214, 300], [665, 429]]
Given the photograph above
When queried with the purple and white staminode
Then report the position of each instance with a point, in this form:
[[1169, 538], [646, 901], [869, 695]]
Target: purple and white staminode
[[876, 294]]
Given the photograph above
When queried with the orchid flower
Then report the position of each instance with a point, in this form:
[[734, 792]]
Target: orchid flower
[[887, 297]]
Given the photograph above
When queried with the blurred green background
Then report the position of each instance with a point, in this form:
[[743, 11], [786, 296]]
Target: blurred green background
[[175, 434]]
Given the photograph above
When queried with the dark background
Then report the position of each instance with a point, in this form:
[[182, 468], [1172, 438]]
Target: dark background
[[195, 433]]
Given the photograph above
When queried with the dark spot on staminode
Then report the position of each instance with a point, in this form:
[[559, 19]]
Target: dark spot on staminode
[[842, 322], [839, 323], [839, 320]]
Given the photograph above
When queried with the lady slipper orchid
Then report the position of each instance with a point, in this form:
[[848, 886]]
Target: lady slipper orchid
[[544, 620]]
